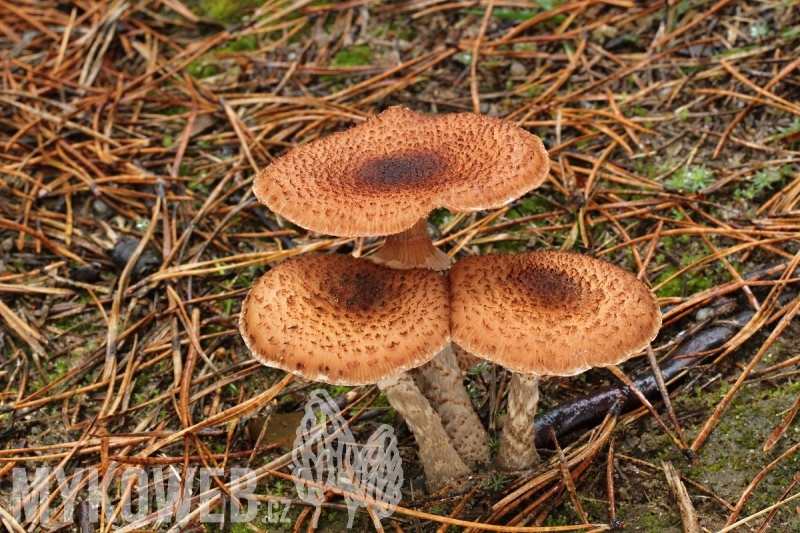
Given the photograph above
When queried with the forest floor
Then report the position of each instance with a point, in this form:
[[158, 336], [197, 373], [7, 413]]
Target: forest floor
[[131, 132]]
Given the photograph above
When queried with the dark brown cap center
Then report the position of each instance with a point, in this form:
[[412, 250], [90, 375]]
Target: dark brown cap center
[[548, 287], [401, 171], [355, 292]]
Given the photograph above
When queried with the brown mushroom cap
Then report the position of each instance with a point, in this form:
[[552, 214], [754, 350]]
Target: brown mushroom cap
[[347, 321], [550, 313], [382, 176]]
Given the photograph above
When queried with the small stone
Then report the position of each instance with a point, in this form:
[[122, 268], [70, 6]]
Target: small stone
[[100, 206], [703, 313], [604, 32], [90, 273], [517, 70], [147, 262]]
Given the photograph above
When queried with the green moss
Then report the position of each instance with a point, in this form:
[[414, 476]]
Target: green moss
[[682, 285], [630, 260], [646, 519], [733, 454], [223, 10], [511, 246], [245, 44], [532, 205], [175, 110], [565, 515], [760, 183], [495, 482], [196, 186], [691, 179], [337, 390], [78, 325], [62, 366], [202, 68], [353, 56], [440, 217], [209, 65], [400, 31]]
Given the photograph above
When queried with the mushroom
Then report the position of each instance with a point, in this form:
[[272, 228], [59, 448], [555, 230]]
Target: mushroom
[[546, 313], [347, 321], [383, 177]]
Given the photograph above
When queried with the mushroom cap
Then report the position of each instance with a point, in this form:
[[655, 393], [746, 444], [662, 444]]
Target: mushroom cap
[[550, 313], [382, 176], [346, 321]]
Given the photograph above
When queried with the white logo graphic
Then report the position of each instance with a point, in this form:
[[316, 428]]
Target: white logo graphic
[[326, 455]]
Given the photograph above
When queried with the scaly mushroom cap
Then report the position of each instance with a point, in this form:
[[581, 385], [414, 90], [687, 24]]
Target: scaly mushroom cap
[[382, 176], [347, 321], [550, 313]]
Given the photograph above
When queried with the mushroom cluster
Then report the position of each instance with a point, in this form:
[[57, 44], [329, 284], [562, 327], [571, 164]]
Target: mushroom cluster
[[388, 318]]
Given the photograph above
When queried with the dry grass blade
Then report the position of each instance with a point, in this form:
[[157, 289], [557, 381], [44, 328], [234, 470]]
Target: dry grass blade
[[788, 69], [635, 390], [17, 325], [590, 528], [9, 522], [771, 508], [662, 388], [688, 513]]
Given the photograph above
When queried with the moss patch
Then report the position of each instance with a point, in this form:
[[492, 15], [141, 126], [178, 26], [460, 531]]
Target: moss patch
[[226, 11], [729, 460], [353, 57]]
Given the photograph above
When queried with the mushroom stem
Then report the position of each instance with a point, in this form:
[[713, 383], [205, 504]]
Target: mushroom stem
[[440, 378], [442, 385], [412, 248], [442, 464], [518, 443]]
